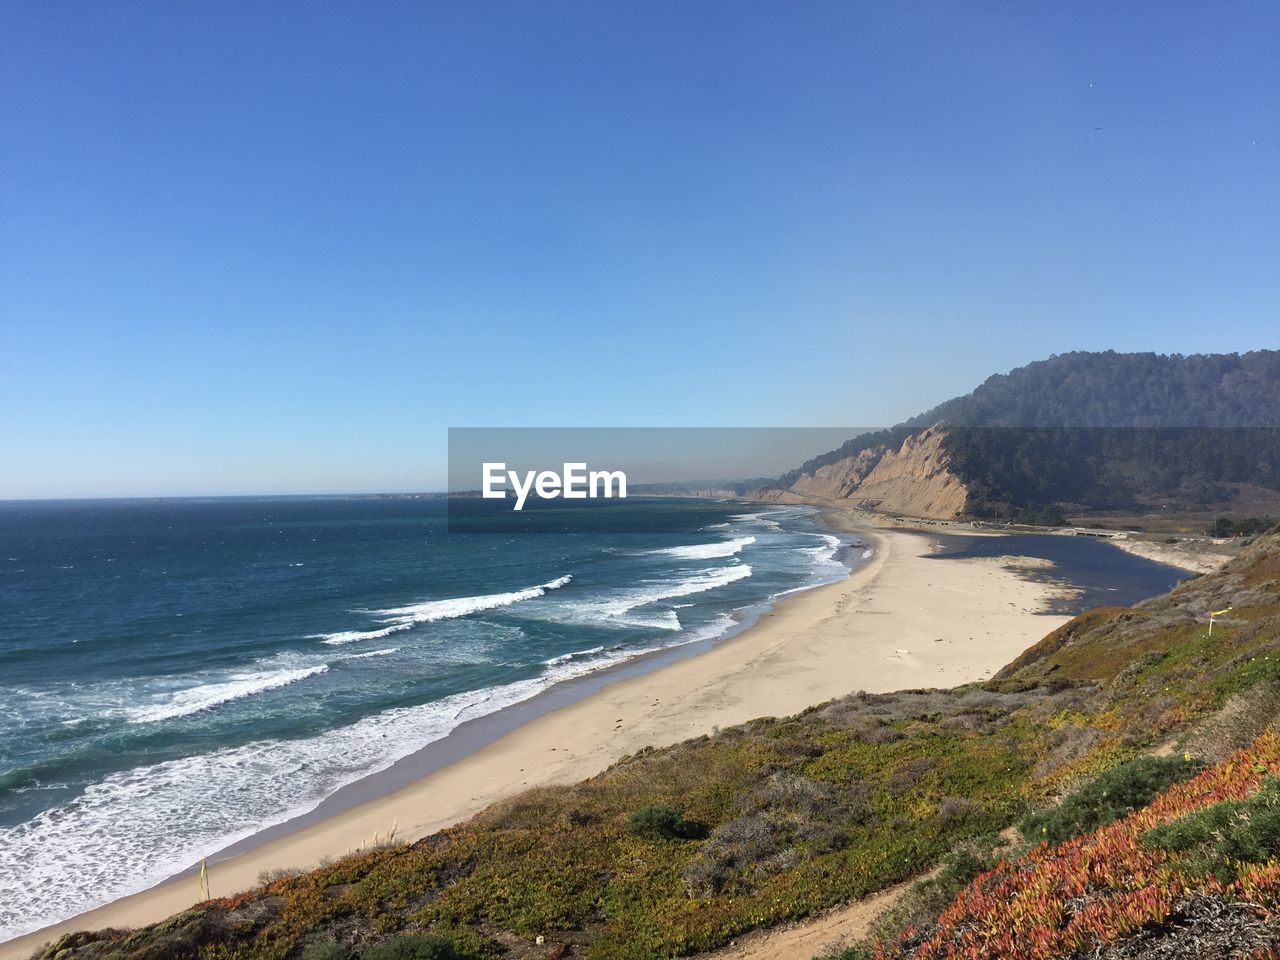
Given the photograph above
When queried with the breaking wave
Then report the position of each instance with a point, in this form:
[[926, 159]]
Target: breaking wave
[[429, 611], [708, 551], [209, 695]]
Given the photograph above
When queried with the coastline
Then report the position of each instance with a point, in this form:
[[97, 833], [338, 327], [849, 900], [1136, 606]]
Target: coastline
[[1197, 555], [1194, 556], [897, 622]]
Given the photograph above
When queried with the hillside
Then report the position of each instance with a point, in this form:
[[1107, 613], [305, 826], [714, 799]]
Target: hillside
[[1196, 872], [675, 851], [1075, 433]]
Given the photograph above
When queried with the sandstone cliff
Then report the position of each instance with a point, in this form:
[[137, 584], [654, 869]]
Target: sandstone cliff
[[913, 479]]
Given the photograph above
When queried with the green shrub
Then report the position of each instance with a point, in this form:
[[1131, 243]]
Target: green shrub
[[1113, 794], [1224, 834], [659, 822], [415, 946]]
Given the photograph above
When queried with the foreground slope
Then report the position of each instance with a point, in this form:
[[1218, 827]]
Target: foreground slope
[[1196, 873], [675, 851], [1193, 874]]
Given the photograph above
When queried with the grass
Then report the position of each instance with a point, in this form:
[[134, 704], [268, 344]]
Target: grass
[[415, 947]]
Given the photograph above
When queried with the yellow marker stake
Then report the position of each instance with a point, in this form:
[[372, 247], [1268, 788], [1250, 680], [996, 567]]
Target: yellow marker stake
[[1217, 613], [204, 880]]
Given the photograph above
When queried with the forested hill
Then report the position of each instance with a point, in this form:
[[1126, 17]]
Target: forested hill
[[1123, 390], [1079, 431]]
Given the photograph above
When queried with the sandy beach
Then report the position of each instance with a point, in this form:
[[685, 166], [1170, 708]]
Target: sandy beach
[[1196, 556], [902, 620]]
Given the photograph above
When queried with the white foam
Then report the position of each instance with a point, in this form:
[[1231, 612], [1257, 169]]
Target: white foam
[[209, 695], [618, 607], [708, 551], [371, 653], [721, 625], [575, 655], [429, 611], [825, 554], [832, 542], [825, 567], [662, 620], [353, 636], [699, 582], [761, 518]]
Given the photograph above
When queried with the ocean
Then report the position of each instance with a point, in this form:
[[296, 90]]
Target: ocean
[[176, 675]]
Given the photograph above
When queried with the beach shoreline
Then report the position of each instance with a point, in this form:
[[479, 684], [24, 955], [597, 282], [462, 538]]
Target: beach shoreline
[[899, 621]]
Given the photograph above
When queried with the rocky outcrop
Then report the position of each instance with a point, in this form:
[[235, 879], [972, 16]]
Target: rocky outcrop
[[913, 478]]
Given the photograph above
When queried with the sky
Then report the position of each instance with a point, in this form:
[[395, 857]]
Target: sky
[[270, 248]]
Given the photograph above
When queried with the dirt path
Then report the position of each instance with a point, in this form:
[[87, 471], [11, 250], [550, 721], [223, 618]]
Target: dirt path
[[826, 933], [829, 932]]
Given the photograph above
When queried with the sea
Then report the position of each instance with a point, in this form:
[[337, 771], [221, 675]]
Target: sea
[[177, 675]]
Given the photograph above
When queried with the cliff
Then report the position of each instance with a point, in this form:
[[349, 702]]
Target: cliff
[[913, 478]]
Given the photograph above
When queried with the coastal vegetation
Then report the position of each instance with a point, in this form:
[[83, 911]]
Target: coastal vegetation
[[679, 850], [1109, 796], [1242, 527], [1076, 469], [1201, 851]]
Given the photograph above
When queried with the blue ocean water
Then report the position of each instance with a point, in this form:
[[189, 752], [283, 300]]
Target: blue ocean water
[[177, 674]]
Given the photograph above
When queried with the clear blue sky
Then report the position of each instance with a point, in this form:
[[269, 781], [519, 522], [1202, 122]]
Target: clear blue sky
[[270, 247]]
